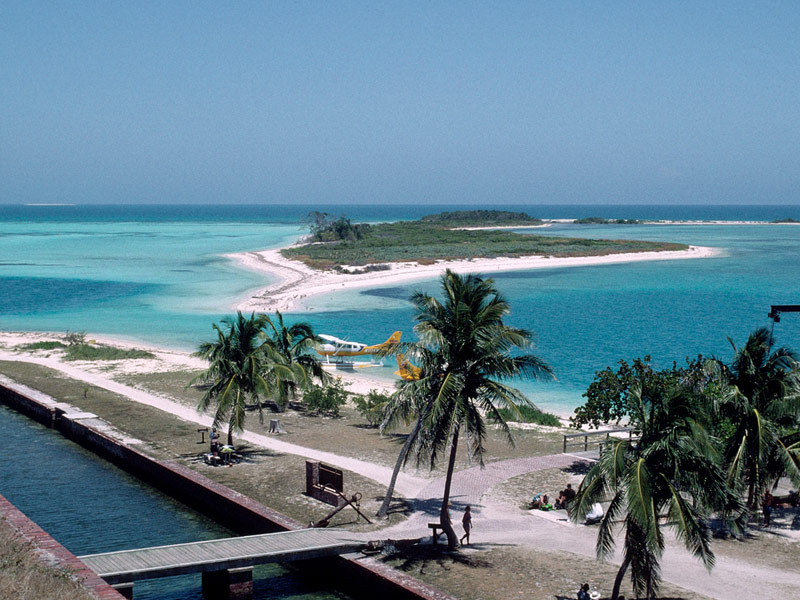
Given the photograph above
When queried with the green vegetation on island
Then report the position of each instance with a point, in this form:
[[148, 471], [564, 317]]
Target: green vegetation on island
[[482, 218], [433, 238], [786, 220], [76, 347]]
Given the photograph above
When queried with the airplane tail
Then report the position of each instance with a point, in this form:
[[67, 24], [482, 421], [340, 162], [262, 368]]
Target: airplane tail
[[406, 370], [393, 339]]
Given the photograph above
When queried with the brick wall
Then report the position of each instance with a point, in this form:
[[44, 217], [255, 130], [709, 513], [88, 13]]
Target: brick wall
[[60, 555]]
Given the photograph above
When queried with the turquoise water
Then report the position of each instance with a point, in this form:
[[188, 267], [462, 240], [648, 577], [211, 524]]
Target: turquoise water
[[156, 274], [91, 506]]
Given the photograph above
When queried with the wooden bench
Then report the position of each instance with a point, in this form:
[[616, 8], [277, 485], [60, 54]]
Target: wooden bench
[[436, 533]]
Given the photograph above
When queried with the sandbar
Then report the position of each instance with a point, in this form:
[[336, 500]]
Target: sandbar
[[296, 282]]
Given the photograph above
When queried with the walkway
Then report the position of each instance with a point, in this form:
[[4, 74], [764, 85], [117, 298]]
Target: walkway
[[213, 555]]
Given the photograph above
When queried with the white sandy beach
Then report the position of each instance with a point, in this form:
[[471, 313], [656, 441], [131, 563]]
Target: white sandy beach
[[297, 282]]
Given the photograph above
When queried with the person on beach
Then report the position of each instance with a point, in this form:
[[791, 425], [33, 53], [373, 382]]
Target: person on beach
[[583, 592], [466, 521], [565, 496], [766, 506]]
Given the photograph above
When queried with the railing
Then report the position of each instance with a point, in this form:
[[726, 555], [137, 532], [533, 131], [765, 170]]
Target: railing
[[604, 435]]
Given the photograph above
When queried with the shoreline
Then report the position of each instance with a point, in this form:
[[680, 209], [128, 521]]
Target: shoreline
[[296, 283]]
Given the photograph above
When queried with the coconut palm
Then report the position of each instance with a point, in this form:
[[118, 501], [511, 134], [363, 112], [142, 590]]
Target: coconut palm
[[408, 403], [238, 361], [670, 473], [761, 404], [469, 352], [296, 366]]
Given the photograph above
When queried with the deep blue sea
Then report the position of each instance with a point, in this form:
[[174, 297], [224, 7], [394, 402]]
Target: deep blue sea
[[158, 274]]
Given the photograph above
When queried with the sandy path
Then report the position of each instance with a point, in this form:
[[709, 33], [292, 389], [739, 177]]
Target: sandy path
[[297, 282]]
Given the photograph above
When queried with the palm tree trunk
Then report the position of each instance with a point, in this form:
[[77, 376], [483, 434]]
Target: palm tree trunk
[[230, 434], [618, 580], [387, 500], [444, 513], [751, 494]]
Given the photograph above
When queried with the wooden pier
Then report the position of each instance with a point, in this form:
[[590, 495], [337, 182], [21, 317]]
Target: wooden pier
[[222, 556]]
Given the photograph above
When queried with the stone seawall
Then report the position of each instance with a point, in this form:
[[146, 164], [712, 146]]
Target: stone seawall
[[357, 575]]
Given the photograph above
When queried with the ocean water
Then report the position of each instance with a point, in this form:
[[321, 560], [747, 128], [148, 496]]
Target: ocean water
[[158, 274]]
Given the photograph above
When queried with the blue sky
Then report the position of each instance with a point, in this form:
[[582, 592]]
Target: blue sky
[[412, 102]]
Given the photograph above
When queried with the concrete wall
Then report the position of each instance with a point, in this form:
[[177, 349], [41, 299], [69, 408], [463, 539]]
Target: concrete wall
[[357, 575]]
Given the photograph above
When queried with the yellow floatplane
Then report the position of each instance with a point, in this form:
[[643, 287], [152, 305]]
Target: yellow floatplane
[[337, 348]]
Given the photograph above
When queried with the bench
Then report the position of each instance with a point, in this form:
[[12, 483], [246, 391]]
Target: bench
[[436, 533]]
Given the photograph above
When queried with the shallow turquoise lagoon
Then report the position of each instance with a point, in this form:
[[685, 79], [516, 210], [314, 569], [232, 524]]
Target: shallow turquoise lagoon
[[159, 276]]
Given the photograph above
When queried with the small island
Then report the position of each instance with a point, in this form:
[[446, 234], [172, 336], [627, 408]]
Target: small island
[[339, 255], [458, 235]]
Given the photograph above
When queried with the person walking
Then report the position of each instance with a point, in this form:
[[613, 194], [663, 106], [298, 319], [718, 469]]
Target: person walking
[[466, 521], [766, 506]]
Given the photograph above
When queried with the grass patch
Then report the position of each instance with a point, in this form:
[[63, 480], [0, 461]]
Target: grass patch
[[531, 414], [45, 345], [431, 239], [23, 575], [102, 352]]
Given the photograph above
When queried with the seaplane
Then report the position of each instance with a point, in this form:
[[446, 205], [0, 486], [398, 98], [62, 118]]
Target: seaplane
[[337, 348], [406, 370]]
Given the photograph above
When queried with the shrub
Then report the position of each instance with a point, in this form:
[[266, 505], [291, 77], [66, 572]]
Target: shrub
[[73, 338], [326, 399], [43, 346], [531, 414], [99, 352], [371, 406]]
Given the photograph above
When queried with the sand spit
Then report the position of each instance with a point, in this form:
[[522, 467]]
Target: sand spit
[[297, 282]]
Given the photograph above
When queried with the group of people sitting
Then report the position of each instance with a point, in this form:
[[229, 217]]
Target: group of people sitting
[[565, 496], [542, 501], [218, 454]]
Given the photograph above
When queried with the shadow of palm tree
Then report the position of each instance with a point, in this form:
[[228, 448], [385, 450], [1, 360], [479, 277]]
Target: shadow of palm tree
[[432, 506], [579, 467], [419, 556]]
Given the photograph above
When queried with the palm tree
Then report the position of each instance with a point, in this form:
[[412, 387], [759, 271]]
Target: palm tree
[[406, 404], [238, 360], [469, 352], [761, 404], [296, 366], [670, 473]]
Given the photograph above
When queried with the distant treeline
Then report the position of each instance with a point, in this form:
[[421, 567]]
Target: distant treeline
[[477, 218]]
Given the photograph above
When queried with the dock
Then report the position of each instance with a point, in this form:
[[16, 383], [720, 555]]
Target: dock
[[216, 557]]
